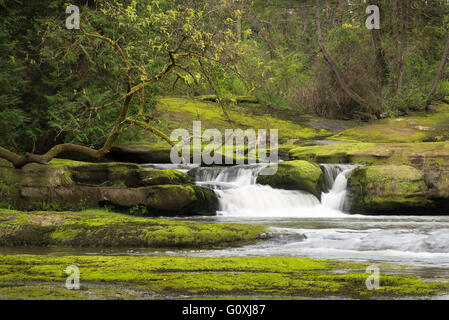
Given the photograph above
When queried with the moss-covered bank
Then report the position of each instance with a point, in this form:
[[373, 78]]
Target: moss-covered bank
[[432, 155], [96, 228], [417, 127], [33, 277], [244, 112], [74, 185]]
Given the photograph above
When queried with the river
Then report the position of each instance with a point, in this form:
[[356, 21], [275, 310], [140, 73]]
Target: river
[[303, 226]]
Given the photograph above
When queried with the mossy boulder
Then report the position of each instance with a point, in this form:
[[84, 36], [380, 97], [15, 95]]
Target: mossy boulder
[[75, 185], [392, 189], [182, 199], [295, 175], [100, 228]]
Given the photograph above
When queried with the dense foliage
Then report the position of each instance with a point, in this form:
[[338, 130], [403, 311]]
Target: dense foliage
[[59, 85]]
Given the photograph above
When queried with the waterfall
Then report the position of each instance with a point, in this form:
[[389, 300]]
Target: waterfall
[[258, 200], [220, 178], [239, 195], [336, 182]]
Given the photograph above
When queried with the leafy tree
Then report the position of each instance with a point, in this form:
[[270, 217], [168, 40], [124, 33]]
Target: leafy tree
[[99, 76]]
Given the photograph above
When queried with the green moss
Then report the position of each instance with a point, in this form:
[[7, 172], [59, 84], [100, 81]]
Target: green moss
[[388, 188], [39, 292], [173, 276], [428, 154], [296, 175], [419, 127], [67, 163], [74, 185], [181, 199], [100, 229], [183, 111], [161, 177]]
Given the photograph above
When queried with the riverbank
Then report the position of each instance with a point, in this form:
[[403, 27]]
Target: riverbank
[[100, 228]]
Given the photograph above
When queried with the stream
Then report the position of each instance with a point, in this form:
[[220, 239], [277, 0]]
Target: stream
[[303, 226]]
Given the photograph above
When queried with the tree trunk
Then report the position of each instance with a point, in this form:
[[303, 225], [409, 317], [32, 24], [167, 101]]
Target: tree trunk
[[404, 40], [380, 55], [439, 74], [342, 83]]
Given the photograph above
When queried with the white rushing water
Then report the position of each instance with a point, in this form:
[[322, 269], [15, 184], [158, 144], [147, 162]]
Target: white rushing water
[[336, 181], [241, 196], [415, 241], [302, 226], [305, 227]]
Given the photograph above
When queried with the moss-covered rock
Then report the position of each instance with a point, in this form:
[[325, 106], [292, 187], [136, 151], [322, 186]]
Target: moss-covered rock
[[182, 199], [391, 189], [295, 175], [418, 127], [430, 158], [99, 228], [30, 276], [428, 155], [74, 185]]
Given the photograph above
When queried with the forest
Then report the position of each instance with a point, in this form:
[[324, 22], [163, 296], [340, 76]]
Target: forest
[[66, 86], [98, 97]]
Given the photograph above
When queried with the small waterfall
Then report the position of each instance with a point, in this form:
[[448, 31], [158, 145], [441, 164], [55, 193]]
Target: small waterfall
[[257, 200], [202, 174], [239, 195], [336, 182], [220, 178]]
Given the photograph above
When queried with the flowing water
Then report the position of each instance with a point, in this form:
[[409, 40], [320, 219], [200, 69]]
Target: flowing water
[[304, 226]]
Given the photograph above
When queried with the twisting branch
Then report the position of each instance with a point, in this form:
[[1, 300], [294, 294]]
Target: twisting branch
[[153, 130], [19, 161]]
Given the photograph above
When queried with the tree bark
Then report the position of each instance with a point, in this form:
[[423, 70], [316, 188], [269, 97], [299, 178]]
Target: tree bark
[[342, 83], [380, 54], [439, 74], [403, 39]]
